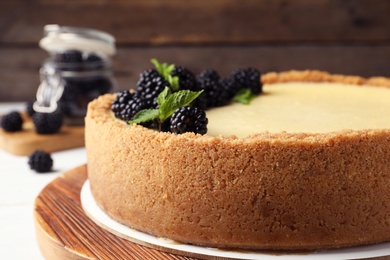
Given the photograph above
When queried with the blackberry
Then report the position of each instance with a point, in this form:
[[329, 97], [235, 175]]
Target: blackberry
[[70, 56], [146, 76], [189, 119], [210, 74], [40, 161], [248, 78], [150, 85], [127, 104], [214, 94], [186, 77], [230, 87], [151, 92], [47, 123], [121, 100], [135, 105], [12, 122]]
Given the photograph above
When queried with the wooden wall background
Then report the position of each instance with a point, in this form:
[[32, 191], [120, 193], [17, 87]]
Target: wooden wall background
[[339, 36]]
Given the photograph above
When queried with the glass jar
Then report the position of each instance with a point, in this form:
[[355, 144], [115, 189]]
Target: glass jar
[[78, 70]]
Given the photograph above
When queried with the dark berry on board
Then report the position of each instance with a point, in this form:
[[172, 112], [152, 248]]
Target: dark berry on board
[[248, 78], [189, 119], [12, 122], [186, 78], [48, 123], [40, 161]]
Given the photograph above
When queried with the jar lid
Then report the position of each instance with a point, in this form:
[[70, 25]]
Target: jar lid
[[59, 38]]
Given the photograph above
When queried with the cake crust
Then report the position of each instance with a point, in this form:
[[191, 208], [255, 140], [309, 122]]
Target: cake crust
[[281, 191], [322, 76]]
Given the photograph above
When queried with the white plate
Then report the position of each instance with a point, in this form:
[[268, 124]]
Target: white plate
[[100, 218]]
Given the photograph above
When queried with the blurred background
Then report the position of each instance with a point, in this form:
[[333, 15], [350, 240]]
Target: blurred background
[[339, 36]]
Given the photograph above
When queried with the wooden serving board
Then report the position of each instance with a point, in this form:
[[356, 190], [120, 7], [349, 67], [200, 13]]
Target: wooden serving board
[[64, 231], [26, 141]]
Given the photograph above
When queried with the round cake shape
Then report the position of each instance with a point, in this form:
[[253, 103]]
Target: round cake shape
[[276, 191]]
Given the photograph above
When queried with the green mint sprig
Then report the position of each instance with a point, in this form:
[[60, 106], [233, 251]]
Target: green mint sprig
[[168, 102], [165, 69], [244, 96]]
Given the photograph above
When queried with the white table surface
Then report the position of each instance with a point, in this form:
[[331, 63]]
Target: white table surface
[[19, 186]]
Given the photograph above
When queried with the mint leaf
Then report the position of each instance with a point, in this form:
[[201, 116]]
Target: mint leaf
[[165, 70], [244, 96], [168, 103], [178, 99], [163, 96], [174, 82], [168, 69], [158, 65], [145, 115]]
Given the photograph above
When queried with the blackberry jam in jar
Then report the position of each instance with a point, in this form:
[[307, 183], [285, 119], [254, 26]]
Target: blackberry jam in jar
[[78, 70]]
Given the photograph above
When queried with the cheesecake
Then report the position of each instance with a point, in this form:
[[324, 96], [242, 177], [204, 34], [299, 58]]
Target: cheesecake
[[305, 165]]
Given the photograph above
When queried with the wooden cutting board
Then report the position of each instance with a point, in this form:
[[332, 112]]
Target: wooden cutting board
[[26, 141], [64, 231]]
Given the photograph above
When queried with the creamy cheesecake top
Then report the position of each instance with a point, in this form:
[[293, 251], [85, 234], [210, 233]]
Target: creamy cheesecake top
[[304, 107]]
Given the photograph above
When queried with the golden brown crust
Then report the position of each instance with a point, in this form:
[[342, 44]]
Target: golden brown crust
[[322, 76], [267, 191]]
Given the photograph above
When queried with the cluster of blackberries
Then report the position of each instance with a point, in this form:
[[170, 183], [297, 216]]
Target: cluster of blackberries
[[77, 60], [217, 91], [84, 76], [79, 91]]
